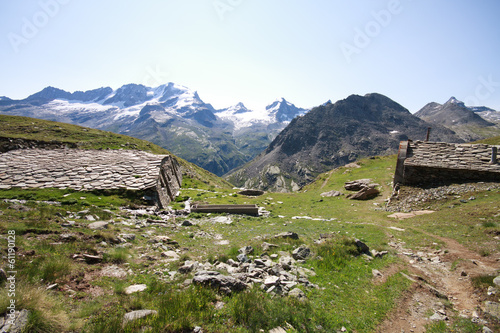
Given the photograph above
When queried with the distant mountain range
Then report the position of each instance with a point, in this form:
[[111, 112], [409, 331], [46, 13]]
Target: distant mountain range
[[469, 123], [171, 116], [279, 148]]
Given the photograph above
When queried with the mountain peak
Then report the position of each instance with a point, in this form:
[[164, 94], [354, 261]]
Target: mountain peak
[[50, 93], [283, 111], [453, 100]]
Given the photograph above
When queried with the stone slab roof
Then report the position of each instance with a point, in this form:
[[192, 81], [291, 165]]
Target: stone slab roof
[[79, 169], [451, 156]]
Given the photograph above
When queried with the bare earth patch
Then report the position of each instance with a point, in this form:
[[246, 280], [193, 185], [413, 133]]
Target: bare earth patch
[[449, 272]]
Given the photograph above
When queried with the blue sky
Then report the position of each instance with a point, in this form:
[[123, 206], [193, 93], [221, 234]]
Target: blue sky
[[255, 51]]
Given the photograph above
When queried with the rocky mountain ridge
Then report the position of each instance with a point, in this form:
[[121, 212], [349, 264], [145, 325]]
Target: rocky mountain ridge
[[470, 123], [332, 135]]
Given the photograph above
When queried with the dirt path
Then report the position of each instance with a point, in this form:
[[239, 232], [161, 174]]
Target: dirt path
[[442, 285]]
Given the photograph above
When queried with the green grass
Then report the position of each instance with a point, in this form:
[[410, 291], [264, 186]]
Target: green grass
[[490, 141], [75, 136]]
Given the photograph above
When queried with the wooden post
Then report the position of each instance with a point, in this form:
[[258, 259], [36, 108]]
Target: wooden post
[[494, 151], [428, 134]]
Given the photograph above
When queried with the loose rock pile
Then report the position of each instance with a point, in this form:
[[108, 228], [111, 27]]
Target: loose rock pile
[[281, 277], [406, 198]]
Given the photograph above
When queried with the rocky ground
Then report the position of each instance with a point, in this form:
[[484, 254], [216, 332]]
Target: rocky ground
[[406, 198]]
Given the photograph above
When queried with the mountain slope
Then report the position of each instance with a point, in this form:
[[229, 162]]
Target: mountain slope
[[332, 135], [170, 115], [458, 117]]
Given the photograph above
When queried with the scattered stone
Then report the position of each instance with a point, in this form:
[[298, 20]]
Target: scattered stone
[[363, 248], [492, 290], [246, 250], [52, 286], [287, 234], [128, 237], [170, 254], [377, 274], [135, 288], [187, 267], [134, 315], [198, 329], [278, 329], [496, 281], [90, 259], [67, 237], [297, 293], [486, 330], [219, 305], [98, 225], [89, 218], [267, 246], [438, 317], [464, 273], [16, 324], [113, 271], [286, 262], [187, 223], [493, 309], [332, 193], [242, 258], [165, 240], [224, 283], [271, 280], [222, 219], [301, 253], [377, 254], [357, 185]]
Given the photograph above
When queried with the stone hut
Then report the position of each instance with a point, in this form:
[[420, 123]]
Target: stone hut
[[87, 170], [426, 163]]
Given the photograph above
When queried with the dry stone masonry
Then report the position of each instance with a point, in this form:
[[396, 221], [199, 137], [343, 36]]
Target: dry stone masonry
[[91, 170], [422, 162]]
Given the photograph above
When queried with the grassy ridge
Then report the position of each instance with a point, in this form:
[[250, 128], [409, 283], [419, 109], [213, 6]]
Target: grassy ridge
[[491, 141], [82, 137], [46, 131]]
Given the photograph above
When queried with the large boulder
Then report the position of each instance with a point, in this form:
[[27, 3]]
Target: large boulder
[[224, 283], [365, 193], [287, 234]]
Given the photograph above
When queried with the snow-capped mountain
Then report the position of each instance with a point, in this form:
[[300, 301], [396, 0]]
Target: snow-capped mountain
[[170, 115], [279, 113], [487, 113], [284, 111]]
